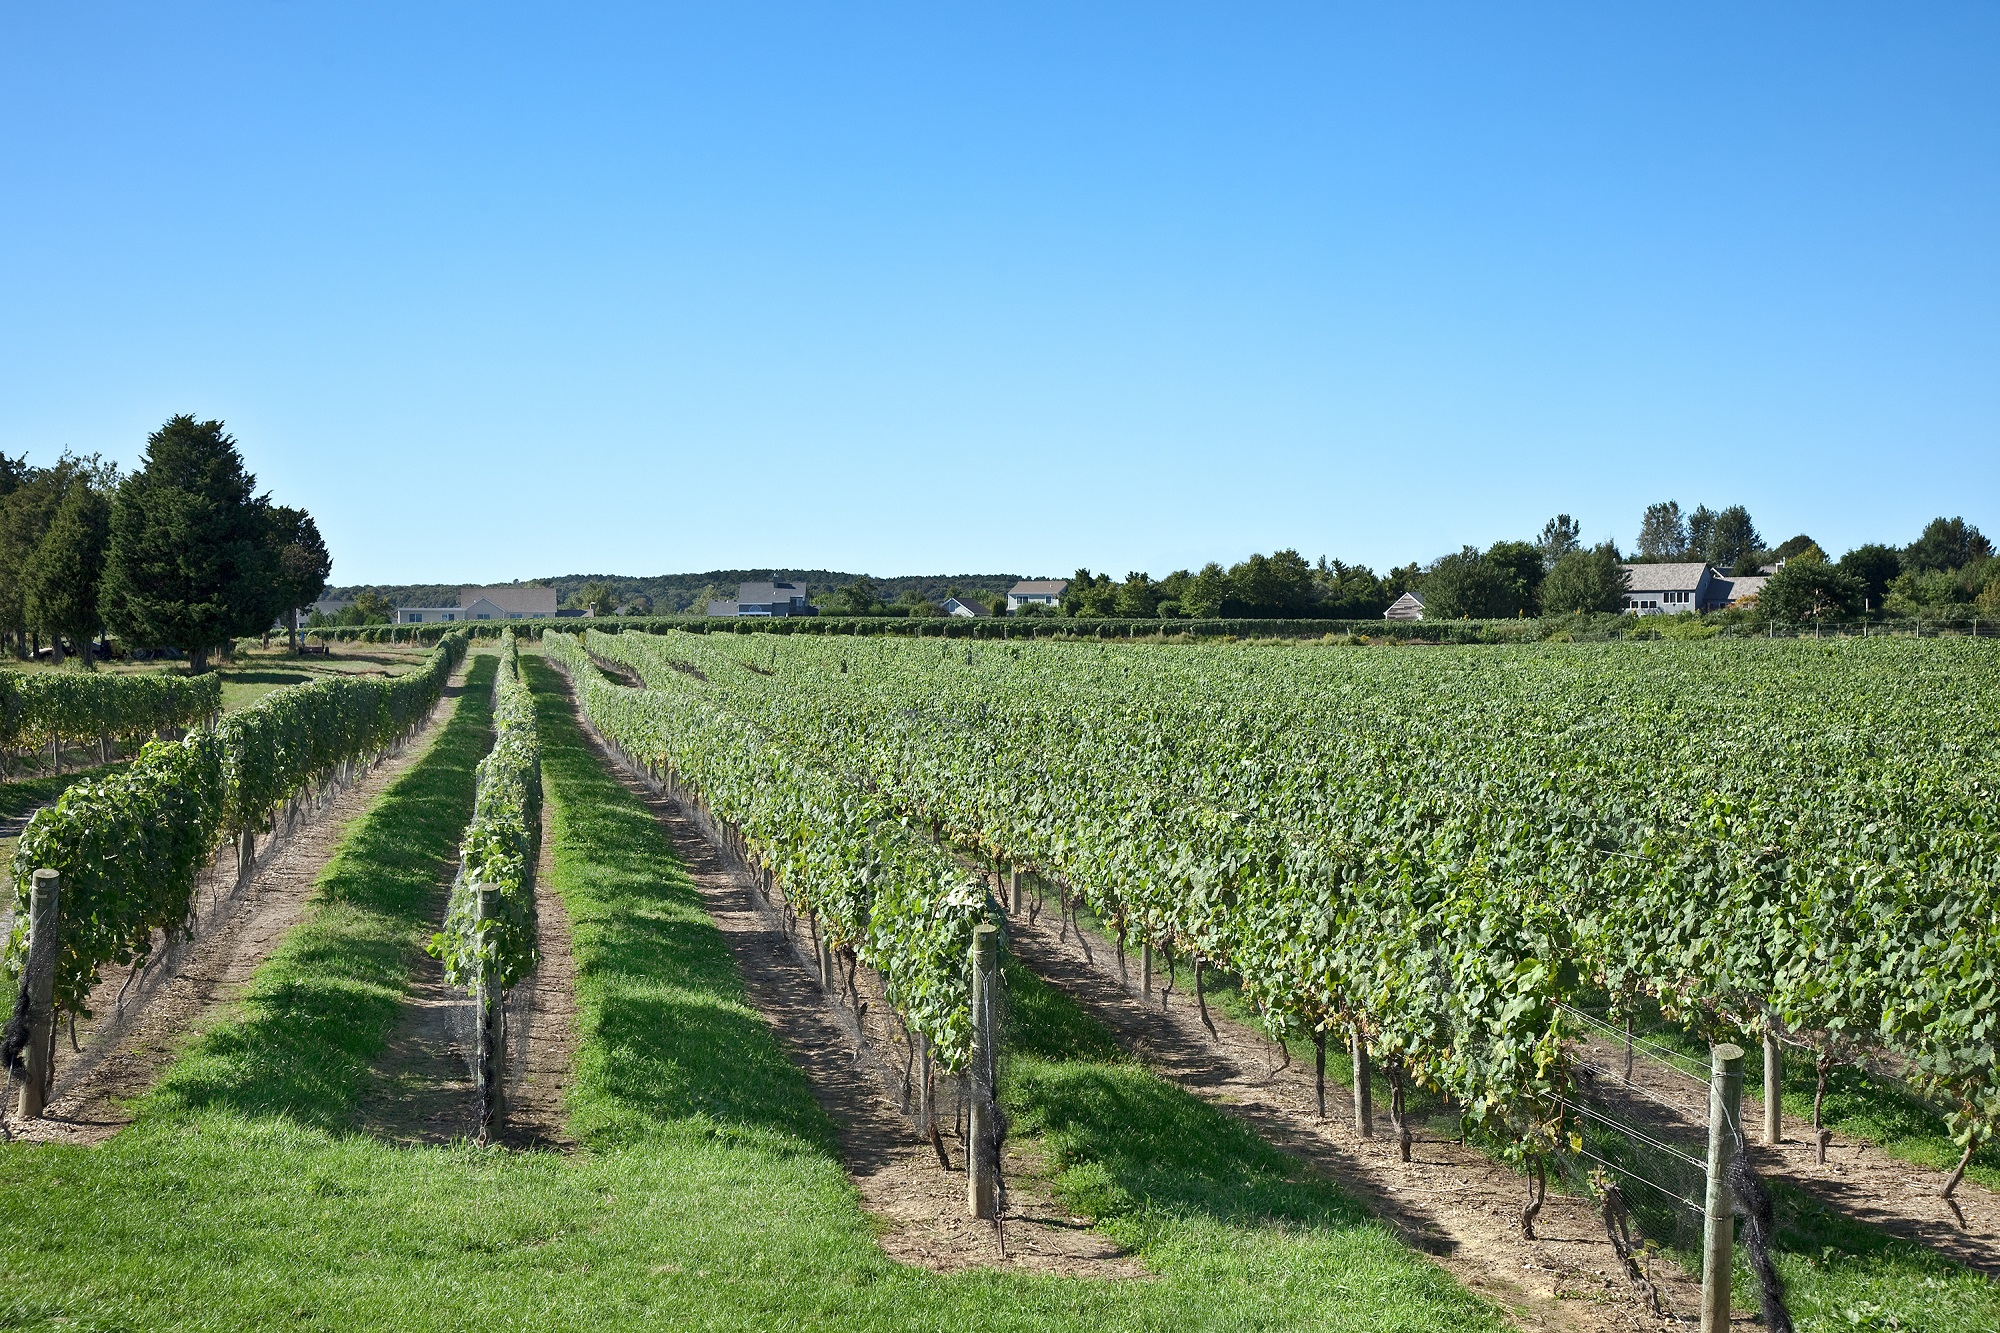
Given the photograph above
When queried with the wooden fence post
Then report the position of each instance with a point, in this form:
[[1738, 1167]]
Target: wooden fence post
[[492, 1050], [1146, 970], [1364, 1086], [1774, 1083], [982, 1157], [1718, 1227], [246, 857], [43, 941], [1016, 900]]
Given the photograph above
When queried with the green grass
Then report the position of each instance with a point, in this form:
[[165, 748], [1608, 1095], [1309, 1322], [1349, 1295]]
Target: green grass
[[706, 1193], [23, 795]]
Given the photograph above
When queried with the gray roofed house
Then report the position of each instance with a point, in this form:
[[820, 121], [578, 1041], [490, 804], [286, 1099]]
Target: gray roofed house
[[1742, 591], [766, 599], [1407, 607], [1036, 592], [964, 606], [1673, 588]]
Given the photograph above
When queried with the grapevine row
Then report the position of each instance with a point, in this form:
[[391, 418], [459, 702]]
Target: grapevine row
[[496, 938], [130, 845], [40, 708], [879, 893]]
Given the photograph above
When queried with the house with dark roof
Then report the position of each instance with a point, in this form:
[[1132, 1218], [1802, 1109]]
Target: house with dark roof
[[964, 606], [1407, 607], [1036, 592], [766, 599]]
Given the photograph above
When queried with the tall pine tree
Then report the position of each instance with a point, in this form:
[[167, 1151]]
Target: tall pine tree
[[190, 564]]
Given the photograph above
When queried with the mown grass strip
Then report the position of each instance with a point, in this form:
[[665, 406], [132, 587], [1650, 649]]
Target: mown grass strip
[[323, 1005]]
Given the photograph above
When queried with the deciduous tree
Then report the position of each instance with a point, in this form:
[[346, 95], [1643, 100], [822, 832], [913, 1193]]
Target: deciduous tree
[[1663, 533], [1809, 590], [302, 564], [1874, 567], [1585, 581]]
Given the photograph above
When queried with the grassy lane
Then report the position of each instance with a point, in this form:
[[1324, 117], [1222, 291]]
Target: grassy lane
[[706, 1194]]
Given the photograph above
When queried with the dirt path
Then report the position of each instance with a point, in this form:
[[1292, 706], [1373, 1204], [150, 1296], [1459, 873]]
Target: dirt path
[[1859, 1179], [423, 1091], [1451, 1202], [922, 1206], [126, 1049]]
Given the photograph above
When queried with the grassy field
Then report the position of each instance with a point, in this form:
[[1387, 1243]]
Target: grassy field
[[706, 1193]]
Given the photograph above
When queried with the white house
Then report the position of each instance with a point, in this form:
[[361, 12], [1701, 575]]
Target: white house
[[506, 601], [427, 615], [955, 606], [1407, 607], [1036, 592], [765, 599]]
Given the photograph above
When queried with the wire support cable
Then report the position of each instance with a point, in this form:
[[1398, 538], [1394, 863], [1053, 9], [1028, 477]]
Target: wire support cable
[[1693, 1113], [1657, 1052], [1636, 1135], [1634, 1176]]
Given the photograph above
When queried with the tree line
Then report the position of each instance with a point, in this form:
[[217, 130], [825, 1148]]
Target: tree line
[[1949, 567], [183, 553]]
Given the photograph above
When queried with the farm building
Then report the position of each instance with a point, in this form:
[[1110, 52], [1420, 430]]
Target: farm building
[[1036, 592], [427, 615], [964, 606], [1407, 607]]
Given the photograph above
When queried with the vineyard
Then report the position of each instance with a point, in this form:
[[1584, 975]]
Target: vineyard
[[761, 866], [1436, 855]]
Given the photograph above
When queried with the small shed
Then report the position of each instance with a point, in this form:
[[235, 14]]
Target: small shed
[[1407, 607]]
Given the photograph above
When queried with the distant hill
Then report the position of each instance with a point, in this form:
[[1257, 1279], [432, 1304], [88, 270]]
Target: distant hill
[[673, 593]]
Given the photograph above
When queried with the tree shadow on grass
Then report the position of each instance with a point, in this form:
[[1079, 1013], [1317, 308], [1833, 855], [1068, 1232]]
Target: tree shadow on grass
[[323, 1005], [669, 1036]]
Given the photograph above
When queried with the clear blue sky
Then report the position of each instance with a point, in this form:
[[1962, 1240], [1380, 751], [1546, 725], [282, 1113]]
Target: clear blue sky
[[500, 292]]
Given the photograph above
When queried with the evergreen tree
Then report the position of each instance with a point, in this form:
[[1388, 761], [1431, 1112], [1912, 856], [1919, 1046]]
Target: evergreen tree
[[60, 592], [190, 564]]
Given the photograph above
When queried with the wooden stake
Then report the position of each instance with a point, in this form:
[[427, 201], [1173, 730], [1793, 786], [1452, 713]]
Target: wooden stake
[[43, 941], [1774, 1083], [1364, 1090], [1718, 1228], [982, 1157]]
